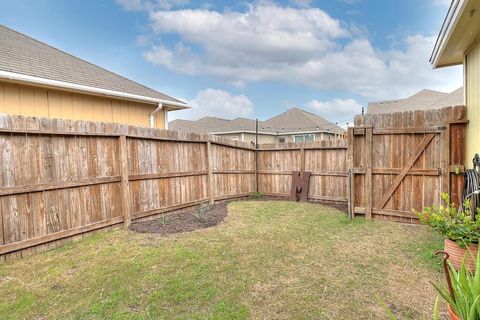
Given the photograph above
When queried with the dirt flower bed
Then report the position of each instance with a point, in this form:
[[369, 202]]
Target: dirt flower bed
[[184, 221]]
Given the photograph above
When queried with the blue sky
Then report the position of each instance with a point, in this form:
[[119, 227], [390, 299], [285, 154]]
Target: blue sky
[[252, 59]]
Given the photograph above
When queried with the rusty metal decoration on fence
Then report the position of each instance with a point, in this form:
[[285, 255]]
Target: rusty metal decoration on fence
[[300, 183]]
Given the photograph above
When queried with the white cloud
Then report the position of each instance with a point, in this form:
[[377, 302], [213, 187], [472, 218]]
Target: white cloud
[[336, 110], [298, 45], [217, 103], [143, 40]]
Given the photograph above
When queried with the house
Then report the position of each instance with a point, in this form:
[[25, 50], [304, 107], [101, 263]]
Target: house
[[458, 43], [294, 125], [39, 80], [422, 100]]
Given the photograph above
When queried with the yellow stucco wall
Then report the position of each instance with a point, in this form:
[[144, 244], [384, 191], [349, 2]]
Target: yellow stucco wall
[[16, 99], [472, 87]]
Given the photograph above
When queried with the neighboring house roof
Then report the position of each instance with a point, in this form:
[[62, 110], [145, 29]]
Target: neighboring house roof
[[217, 125], [292, 121], [298, 120], [20, 54], [460, 29], [422, 100], [454, 98]]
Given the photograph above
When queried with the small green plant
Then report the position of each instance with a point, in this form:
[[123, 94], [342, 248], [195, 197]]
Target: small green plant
[[201, 213], [256, 195], [456, 225], [457, 170], [463, 296], [164, 220]]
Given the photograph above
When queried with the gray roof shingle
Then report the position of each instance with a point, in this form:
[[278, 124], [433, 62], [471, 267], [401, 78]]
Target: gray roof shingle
[[293, 120], [298, 120], [422, 100], [22, 54]]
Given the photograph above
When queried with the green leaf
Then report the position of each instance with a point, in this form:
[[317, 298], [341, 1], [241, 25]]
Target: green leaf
[[435, 309]]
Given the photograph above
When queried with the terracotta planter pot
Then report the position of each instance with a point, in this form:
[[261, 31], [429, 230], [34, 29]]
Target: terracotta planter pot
[[457, 254], [451, 313]]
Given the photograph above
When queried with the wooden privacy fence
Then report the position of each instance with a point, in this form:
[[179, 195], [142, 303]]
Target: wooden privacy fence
[[63, 178], [403, 161], [326, 160], [60, 179]]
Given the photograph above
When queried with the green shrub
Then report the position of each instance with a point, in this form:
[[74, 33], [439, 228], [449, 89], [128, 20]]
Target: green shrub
[[452, 223], [256, 195], [201, 213], [164, 220]]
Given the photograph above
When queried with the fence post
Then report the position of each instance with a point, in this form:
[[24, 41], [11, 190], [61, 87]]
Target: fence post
[[302, 160], [210, 180], [368, 172], [351, 176], [445, 162], [256, 155], [126, 206]]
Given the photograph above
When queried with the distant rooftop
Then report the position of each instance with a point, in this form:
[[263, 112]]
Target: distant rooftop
[[422, 100], [293, 120]]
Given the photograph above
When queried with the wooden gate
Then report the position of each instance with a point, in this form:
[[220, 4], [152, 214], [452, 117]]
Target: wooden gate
[[402, 162]]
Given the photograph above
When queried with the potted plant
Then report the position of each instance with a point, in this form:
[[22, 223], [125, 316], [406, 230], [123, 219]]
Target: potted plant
[[463, 290], [461, 229]]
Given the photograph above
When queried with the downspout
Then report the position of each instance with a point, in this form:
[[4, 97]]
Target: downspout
[[152, 115]]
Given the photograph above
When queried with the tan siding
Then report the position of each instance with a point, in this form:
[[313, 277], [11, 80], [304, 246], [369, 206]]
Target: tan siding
[[41, 98], [473, 102], [25, 100], [12, 99], [2, 103], [248, 137]]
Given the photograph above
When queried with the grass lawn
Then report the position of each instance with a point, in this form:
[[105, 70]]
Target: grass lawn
[[268, 260]]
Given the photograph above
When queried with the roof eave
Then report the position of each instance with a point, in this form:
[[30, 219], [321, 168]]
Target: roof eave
[[43, 82], [451, 20]]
